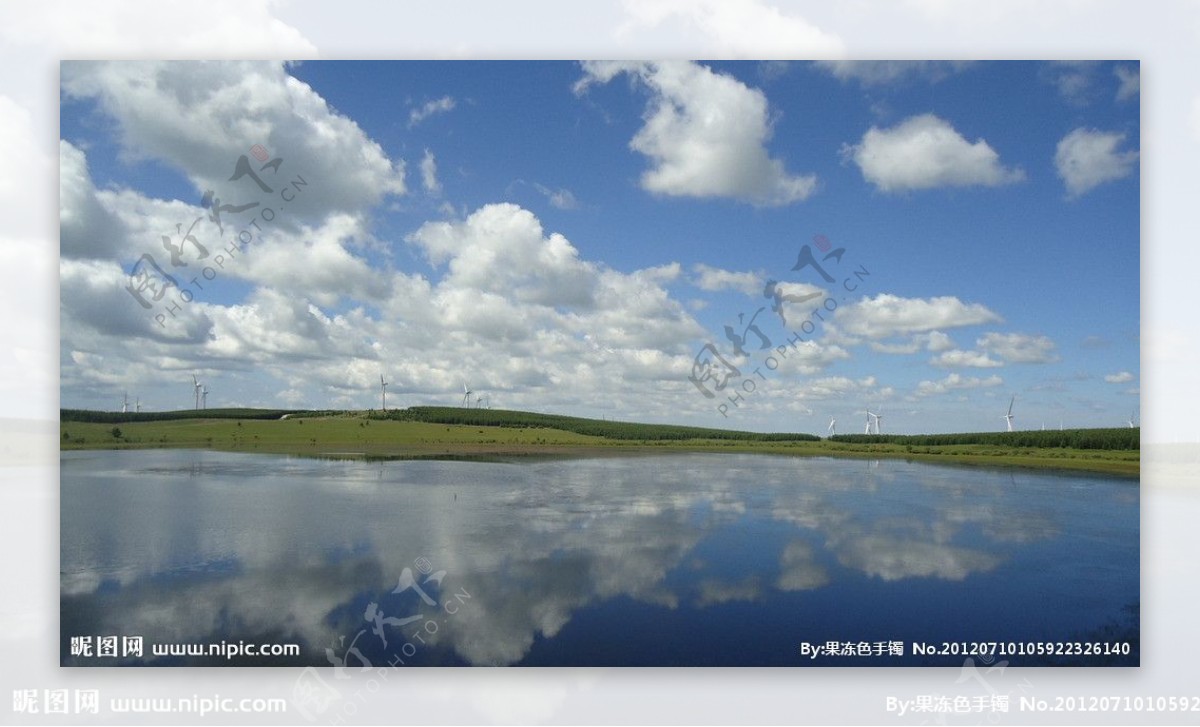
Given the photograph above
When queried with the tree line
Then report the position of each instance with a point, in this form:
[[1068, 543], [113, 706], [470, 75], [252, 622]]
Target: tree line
[[123, 417], [1117, 438]]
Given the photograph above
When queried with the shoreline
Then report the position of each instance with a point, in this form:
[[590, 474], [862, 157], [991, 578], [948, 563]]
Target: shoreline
[[1011, 459]]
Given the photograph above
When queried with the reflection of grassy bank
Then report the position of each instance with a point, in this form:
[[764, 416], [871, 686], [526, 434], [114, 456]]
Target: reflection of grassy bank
[[352, 436]]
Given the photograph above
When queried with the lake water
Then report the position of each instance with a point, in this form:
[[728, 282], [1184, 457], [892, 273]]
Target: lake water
[[687, 559]]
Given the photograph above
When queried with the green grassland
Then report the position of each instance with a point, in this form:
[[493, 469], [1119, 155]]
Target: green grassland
[[446, 433]]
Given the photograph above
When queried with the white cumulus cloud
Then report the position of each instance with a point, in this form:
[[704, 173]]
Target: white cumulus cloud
[[705, 134], [890, 315], [200, 117], [1087, 158], [1129, 82], [810, 358], [925, 152], [837, 388], [1075, 80], [934, 341], [503, 249], [227, 28], [738, 28], [964, 359], [430, 108], [317, 261], [1121, 377], [937, 341], [715, 279], [429, 178], [561, 198], [874, 73], [956, 382], [1018, 347]]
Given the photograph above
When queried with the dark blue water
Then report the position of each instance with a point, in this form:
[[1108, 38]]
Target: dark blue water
[[688, 559]]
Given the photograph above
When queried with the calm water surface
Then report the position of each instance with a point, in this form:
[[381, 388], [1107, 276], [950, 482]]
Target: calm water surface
[[689, 559]]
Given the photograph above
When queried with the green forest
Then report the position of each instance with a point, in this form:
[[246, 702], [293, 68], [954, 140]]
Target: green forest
[[1123, 438]]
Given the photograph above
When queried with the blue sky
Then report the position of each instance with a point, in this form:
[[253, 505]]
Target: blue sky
[[566, 237]]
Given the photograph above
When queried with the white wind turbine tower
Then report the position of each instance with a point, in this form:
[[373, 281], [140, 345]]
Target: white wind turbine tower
[[832, 430], [204, 397], [382, 393], [125, 403], [483, 399], [1131, 417], [867, 430], [878, 417], [466, 401], [1009, 416], [196, 388], [138, 405]]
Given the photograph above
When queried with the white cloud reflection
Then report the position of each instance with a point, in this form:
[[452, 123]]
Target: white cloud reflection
[[187, 552]]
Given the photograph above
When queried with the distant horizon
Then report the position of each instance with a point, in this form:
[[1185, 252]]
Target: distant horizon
[[534, 411]]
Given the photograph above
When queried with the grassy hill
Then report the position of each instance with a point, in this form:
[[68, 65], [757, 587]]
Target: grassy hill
[[447, 432], [592, 427]]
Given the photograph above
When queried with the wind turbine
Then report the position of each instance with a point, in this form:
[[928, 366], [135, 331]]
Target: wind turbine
[[479, 402], [467, 396], [1009, 416], [1131, 424], [832, 431], [383, 393], [204, 397], [867, 430], [138, 405], [878, 417], [125, 403], [196, 387]]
